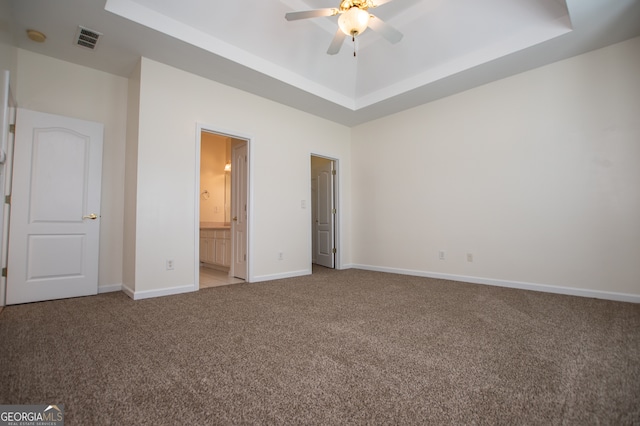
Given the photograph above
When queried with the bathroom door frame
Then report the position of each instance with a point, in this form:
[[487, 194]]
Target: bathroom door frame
[[337, 257], [201, 127]]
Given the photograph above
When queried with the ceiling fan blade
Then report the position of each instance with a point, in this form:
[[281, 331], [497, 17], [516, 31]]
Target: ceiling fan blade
[[336, 43], [387, 31], [305, 14], [377, 3]]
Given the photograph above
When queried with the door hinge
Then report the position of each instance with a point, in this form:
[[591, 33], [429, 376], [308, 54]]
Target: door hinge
[[7, 199], [4, 272], [334, 251], [333, 172], [334, 211], [245, 257], [12, 128]]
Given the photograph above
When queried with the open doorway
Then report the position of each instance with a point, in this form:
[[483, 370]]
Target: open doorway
[[222, 209], [324, 211]]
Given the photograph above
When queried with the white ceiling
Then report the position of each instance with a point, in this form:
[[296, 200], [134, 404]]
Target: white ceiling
[[448, 45]]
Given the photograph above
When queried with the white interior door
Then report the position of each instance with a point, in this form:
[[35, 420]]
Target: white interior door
[[239, 200], [325, 216], [55, 208]]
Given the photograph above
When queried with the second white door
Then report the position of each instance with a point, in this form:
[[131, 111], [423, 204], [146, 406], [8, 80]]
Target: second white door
[[325, 214], [239, 216]]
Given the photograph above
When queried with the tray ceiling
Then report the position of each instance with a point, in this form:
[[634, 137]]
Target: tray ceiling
[[448, 45]]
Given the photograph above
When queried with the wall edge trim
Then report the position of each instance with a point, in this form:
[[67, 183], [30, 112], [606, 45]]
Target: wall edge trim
[[271, 277], [148, 294], [545, 288], [109, 288]]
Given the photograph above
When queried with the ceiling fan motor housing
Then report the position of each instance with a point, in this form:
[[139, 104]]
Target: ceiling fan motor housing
[[360, 4]]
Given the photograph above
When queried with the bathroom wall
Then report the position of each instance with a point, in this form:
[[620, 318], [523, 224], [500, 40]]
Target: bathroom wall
[[214, 152]]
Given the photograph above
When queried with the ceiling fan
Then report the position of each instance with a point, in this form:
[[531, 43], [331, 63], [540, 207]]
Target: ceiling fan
[[354, 20]]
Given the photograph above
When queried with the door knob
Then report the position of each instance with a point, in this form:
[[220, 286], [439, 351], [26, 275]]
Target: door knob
[[235, 218], [92, 216]]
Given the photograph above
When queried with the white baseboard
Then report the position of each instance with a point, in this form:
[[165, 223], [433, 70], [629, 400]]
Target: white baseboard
[[109, 288], [148, 294], [272, 277], [126, 290], [546, 288]]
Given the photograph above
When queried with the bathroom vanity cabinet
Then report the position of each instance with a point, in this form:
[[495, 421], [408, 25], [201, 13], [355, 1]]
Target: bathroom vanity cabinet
[[215, 247]]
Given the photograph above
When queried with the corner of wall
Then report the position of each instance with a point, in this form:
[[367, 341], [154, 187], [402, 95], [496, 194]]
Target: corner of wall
[[130, 181]]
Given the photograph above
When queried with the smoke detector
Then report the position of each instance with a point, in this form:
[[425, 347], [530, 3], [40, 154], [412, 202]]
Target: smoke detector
[[87, 38]]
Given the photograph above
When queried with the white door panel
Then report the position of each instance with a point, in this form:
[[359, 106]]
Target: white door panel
[[325, 216], [55, 211], [239, 200], [55, 256]]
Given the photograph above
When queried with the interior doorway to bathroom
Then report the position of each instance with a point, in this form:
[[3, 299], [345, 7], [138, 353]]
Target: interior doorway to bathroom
[[324, 211], [222, 209]]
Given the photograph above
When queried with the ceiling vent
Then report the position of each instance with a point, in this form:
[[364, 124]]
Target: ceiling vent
[[87, 38]]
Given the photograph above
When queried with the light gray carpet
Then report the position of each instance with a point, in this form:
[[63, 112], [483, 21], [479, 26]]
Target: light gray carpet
[[337, 347]]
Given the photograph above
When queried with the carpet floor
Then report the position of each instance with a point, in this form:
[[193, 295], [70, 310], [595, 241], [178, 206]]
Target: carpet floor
[[336, 347]]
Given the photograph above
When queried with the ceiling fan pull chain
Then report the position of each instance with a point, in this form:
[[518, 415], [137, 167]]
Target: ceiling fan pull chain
[[353, 38]]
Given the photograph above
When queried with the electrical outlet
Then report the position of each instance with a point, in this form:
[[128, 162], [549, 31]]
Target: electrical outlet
[[280, 256], [441, 255], [469, 257], [169, 265]]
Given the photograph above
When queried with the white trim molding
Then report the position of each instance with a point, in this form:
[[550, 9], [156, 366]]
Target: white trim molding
[[109, 288], [148, 294], [272, 277], [545, 288]]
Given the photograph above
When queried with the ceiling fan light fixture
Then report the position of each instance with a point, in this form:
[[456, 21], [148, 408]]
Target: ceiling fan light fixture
[[354, 21]]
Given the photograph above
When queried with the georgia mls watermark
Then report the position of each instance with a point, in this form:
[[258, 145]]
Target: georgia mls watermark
[[31, 415]]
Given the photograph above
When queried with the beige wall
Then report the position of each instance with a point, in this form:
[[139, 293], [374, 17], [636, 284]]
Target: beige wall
[[8, 53], [57, 87], [537, 175], [172, 103]]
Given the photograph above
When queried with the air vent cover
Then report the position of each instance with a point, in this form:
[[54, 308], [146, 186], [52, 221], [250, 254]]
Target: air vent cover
[[87, 38]]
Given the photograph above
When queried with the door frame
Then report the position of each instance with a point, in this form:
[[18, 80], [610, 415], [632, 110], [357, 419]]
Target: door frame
[[337, 259], [8, 110], [210, 128]]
